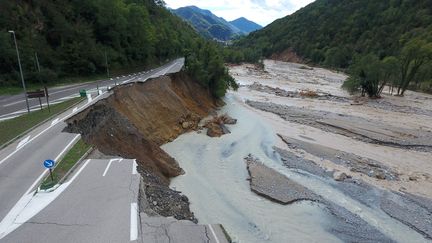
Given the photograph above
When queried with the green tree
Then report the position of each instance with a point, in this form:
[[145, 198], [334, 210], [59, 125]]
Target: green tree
[[415, 54]]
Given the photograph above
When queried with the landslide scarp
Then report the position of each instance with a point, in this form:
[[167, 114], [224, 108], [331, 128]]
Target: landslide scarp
[[137, 118]]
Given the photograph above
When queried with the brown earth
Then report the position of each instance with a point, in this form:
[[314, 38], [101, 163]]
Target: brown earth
[[137, 118], [287, 56]]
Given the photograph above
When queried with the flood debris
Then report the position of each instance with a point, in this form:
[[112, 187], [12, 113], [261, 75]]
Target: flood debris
[[354, 163], [411, 210], [306, 93], [216, 126], [351, 126], [275, 186]]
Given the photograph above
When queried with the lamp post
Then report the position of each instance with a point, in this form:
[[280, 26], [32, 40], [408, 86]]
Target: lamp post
[[22, 76]]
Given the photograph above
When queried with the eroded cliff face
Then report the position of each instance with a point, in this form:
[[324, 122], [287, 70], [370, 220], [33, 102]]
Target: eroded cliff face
[[137, 118]]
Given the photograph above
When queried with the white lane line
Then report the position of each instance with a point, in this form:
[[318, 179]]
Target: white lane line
[[213, 233], [9, 219], [8, 118], [22, 211], [39, 134], [24, 141], [75, 110], [106, 169], [127, 80], [134, 222], [134, 167], [55, 121], [13, 103]]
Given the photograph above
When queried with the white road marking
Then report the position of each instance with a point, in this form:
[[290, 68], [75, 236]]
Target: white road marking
[[106, 169], [42, 132], [55, 121], [134, 222], [213, 233], [24, 141], [127, 80], [8, 118], [134, 167], [75, 109], [14, 103], [8, 224]]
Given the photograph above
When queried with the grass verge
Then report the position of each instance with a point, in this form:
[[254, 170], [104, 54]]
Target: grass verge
[[12, 128], [63, 166]]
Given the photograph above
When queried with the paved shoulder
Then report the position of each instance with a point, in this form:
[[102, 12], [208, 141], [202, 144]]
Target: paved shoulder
[[96, 207]]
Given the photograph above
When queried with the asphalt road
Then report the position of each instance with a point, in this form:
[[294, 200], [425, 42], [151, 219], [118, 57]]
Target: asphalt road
[[15, 105], [21, 167], [96, 207]]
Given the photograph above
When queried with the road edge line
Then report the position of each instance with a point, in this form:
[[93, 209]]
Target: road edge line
[[213, 233], [134, 222], [35, 127]]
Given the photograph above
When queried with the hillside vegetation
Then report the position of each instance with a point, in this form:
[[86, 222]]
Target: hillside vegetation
[[72, 39], [341, 34]]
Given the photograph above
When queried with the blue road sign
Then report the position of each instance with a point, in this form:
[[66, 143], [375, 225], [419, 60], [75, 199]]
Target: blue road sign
[[49, 163]]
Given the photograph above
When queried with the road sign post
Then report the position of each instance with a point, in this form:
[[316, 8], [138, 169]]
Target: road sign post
[[49, 164], [46, 95]]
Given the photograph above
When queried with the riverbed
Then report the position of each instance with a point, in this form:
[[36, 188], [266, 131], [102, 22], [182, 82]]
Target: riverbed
[[216, 178]]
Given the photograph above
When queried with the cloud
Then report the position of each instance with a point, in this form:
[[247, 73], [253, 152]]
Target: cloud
[[261, 11]]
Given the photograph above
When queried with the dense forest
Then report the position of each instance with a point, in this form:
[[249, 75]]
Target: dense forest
[[76, 38], [341, 34]]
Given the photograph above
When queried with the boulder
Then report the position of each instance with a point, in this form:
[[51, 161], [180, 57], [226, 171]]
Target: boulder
[[339, 176]]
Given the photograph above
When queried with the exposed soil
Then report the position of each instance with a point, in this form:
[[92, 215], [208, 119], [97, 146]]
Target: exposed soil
[[287, 56], [216, 125], [136, 119]]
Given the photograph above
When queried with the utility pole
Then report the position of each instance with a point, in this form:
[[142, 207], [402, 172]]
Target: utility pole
[[43, 83], [106, 63], [37, 62], [22, 76]]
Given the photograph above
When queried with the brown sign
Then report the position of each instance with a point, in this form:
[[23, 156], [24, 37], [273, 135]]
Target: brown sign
[[36, 94]]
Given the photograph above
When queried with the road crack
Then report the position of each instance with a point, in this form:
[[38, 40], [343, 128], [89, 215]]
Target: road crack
[[57, 224]]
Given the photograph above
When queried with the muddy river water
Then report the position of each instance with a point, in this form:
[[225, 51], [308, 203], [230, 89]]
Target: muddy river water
[[216, 184]]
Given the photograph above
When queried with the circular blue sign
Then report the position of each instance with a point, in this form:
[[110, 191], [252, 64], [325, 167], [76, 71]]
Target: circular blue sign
[[49, 163]]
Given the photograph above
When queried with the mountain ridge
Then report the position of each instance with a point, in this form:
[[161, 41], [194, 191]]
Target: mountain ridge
[[212, 26], [246, 25]]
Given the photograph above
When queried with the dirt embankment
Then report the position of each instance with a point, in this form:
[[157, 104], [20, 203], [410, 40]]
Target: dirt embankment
[[136, 119]]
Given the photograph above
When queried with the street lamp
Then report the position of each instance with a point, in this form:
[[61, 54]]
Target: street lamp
[[22, 76]]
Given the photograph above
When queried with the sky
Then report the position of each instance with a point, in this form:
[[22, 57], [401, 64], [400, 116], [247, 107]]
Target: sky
[[262, 12]]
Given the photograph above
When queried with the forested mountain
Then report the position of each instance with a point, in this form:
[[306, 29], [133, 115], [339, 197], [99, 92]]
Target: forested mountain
[[72, 38], [340, 33], [208, 24], [245, 25], [332, 32]]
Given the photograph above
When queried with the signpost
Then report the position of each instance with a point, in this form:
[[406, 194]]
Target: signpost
[[39, 94], [49, 164]]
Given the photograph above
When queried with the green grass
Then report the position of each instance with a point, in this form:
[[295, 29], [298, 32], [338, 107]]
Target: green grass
[[12, 128], [12, 90], [62, 167]]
